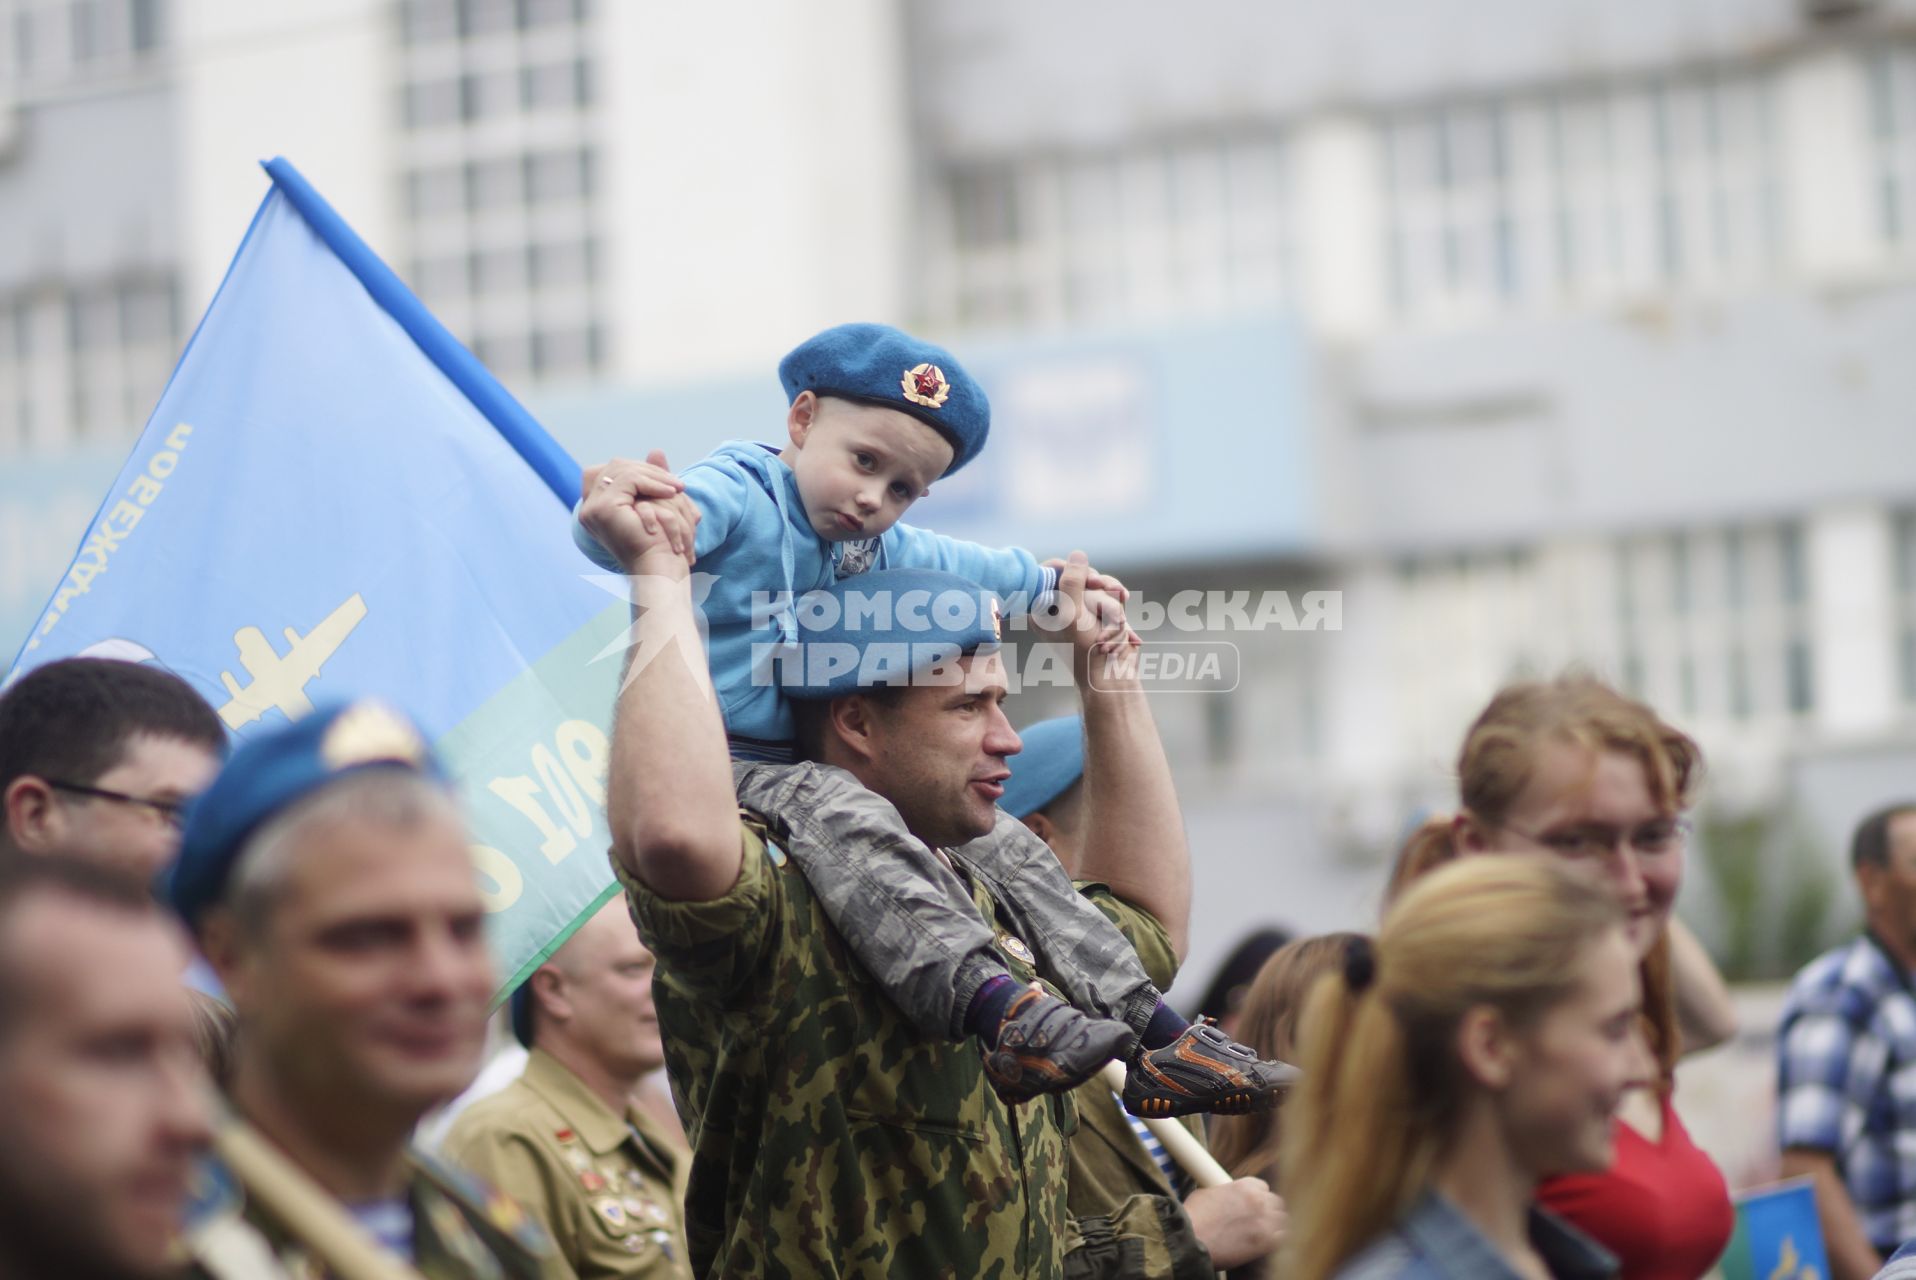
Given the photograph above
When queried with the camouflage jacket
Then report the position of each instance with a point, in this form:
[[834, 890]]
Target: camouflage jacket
[[830, 1137]]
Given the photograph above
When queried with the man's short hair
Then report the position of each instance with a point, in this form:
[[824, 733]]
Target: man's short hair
[[1870, 844], [393, 798], [811, 720], [22, 878], [72, 720]]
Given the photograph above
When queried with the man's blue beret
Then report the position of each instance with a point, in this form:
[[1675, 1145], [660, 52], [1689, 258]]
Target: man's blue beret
[[880, 365], [887, 627], [1052, 759], [274, 770]]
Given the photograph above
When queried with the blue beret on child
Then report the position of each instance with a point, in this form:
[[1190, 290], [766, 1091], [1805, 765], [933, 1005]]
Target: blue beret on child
[[887, 627], [877, 364], [1052, 759], [274, 770]]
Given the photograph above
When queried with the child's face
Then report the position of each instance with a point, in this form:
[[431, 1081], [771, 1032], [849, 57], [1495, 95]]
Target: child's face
[[860, 466]]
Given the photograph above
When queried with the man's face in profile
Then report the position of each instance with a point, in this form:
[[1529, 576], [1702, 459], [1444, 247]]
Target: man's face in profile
[[127, 817], [941, 749]]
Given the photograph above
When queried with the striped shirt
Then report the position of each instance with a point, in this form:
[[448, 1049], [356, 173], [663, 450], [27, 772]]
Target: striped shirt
[[1152, 1146]]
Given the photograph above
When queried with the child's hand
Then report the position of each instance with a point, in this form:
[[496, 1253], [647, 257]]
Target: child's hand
[[633, 508], [1095, 581], [649, 479], [1098, 624]]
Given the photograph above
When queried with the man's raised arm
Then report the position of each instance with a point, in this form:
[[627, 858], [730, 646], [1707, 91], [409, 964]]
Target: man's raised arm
[[1134, 833], [669, 795]]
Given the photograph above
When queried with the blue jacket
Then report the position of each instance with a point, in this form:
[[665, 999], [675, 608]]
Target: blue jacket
[[754, 537]]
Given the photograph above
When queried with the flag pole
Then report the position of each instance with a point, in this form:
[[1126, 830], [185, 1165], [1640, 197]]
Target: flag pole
[[1200, 1165]]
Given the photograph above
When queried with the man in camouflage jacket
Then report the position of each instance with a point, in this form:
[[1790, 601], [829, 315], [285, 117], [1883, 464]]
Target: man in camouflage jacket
[[830, 1137]]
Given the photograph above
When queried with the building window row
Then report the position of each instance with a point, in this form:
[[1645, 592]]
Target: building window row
[[54, 40], [1711, 626], [1715, 624], [561, 85], [1588, 194], [1195, 225], [541, 266], [1592, 195], [427, 21], [85, 360], [501, 222], [1892, 115], [530, 179]]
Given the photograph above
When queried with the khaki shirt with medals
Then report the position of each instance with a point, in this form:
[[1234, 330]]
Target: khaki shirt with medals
[[610, 1189]]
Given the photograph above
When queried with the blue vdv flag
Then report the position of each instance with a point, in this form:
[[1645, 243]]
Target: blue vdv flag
[[334, 499], [1777, 1235]]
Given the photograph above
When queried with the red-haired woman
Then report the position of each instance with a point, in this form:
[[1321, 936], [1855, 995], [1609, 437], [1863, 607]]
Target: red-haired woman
[[1572, 768]]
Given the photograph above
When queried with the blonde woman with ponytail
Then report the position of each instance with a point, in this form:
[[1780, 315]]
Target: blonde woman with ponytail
[[1483, 1041], [1573, 769]]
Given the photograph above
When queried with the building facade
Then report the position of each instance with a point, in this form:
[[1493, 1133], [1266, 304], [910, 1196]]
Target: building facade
[[1546, 334]]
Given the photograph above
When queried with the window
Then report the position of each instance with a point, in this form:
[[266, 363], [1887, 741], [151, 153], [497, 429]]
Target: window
[[1891, 76], [498, 184], [560, 265], [1906, 594], [555, 176], [425, 21], [87, 360], [1729, 638], [432, 103], [145, 21], [485, 17], [552, 86]]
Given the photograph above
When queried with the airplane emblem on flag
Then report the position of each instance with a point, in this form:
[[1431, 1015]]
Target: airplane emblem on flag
[[280, 680]]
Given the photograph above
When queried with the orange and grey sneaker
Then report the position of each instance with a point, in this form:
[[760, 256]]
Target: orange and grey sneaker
[[1048, 1046], [1203, 1070]]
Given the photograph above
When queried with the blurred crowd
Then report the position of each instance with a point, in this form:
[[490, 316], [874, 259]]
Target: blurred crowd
[[1494, 1063], [876, 988]]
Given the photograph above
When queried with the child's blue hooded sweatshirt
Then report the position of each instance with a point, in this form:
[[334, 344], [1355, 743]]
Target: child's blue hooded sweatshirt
[[754, 537]]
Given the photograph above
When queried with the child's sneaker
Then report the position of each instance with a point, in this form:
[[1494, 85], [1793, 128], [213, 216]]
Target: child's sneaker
[[1048, 1046], [1202, 1070]]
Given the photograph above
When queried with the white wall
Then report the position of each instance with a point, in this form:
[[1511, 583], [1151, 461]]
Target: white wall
[[1853, 612], [758, 164], [312, 80]]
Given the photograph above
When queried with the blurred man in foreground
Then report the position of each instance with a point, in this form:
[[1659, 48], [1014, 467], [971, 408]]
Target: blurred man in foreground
[[327, 879], [568, 1139], [97, 757], [103, 1105]]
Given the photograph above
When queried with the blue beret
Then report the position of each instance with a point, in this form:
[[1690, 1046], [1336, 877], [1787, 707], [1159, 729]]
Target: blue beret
[[1052, 759], [880, 365], [885, 627], [269, 772], [520, 1010]]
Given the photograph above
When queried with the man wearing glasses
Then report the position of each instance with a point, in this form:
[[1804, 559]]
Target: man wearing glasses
[[97, 757]]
